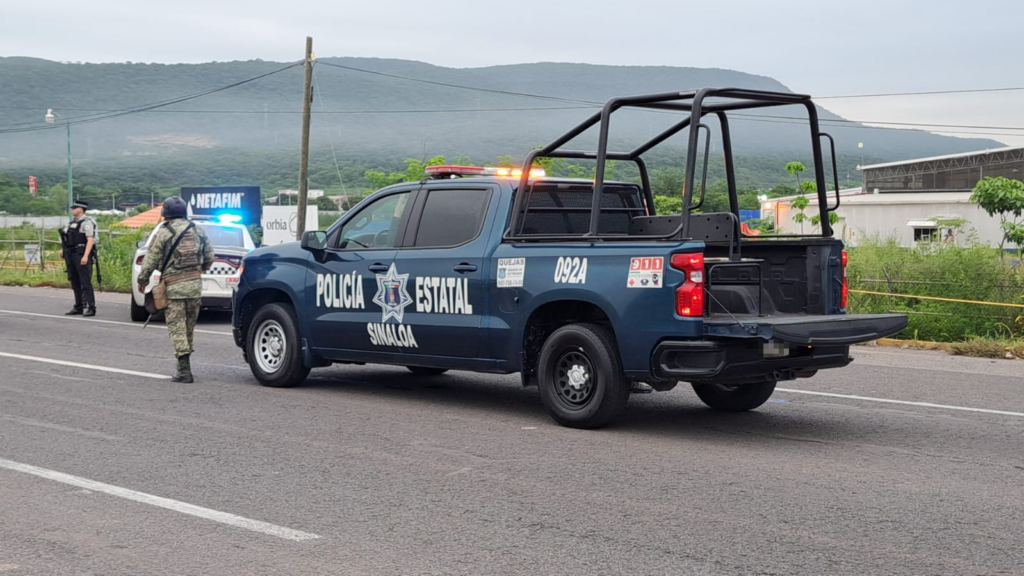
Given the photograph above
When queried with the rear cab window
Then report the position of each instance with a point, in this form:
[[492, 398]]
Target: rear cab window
[[558, 208], [451, 217]]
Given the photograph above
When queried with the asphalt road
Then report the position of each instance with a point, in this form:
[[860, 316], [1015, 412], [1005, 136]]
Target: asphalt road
[[369, 470]]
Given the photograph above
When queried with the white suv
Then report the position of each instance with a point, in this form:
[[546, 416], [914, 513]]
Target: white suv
[[231, 242]]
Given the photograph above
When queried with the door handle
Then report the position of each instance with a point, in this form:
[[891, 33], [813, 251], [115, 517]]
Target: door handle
[[464, 268], [378, 267]]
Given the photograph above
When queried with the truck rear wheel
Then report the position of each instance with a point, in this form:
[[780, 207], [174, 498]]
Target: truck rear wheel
[[273, 347], [580, 377], [736, 397]]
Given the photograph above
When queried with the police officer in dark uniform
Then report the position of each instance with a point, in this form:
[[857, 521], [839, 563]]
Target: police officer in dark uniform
[[79, 254]]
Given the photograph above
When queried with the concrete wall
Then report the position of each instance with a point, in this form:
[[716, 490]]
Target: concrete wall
[[862, 220], [40, 221]]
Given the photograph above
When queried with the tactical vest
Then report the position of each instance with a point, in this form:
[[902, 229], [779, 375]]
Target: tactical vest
[[75, 237], [188, 254]]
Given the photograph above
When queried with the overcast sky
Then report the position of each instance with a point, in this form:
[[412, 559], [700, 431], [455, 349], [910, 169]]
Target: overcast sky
[[825, 47]]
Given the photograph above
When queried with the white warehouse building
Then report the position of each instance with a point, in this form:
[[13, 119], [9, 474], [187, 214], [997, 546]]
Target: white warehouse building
[[913, 200]]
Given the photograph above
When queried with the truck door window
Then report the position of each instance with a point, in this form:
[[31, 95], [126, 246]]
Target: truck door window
[[376, 225], [452, 217]]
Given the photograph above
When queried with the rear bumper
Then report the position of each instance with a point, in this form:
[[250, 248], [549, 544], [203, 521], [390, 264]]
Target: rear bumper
[[741, 361], [217, 302]]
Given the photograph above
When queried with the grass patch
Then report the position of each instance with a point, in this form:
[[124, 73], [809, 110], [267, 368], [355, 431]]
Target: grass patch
[[987, 348]]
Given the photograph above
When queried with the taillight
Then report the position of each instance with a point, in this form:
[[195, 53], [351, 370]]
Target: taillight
[[844, 299], [139, 259], [690, 295]]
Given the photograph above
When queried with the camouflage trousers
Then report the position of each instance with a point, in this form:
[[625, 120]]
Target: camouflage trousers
[[181, 318]]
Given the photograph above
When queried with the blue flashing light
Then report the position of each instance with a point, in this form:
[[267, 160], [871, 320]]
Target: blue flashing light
[[229, 218]]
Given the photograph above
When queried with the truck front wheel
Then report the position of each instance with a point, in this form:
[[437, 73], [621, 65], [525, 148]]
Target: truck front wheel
[[734, 398], [580, 377], [273, 347]]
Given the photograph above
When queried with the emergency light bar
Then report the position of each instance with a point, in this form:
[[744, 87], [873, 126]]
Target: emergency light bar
[[447, 171]]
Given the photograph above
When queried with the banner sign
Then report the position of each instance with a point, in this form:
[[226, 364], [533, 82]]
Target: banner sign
[[243, 201], [280, 223], [33, 185]]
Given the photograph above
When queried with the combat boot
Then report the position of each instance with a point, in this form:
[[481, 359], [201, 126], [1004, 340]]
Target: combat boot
[[184, 372]]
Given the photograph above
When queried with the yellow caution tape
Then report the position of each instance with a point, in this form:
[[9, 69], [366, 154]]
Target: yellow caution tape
[[937, 298]]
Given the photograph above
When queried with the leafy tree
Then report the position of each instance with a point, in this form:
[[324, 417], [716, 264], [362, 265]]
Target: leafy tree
[[795, 169], [326, 204], [668, 181], [1004, 197], [505, 161], [415, 170], [800, 204], [668, 204], [833, 219]]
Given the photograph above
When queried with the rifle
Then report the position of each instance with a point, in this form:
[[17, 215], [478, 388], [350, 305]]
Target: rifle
[[65, 251], [95, 255]]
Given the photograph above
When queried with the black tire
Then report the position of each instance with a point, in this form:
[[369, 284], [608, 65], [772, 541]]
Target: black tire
[[273, 347], [424, 371], [734, 398], [580, 377], [138, 313]]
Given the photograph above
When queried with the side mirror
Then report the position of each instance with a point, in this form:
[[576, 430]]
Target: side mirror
[[140, 244], [314, 240]]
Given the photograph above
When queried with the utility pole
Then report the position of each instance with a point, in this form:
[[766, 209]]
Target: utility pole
[[307, 95]]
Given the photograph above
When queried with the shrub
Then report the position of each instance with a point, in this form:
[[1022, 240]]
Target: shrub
[[938, 270]]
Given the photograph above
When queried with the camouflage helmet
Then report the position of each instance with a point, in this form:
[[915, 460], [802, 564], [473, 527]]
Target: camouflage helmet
[[174, 207]]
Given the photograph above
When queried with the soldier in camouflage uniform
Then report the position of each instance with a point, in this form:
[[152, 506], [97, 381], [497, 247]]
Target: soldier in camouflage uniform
[[182, 277]]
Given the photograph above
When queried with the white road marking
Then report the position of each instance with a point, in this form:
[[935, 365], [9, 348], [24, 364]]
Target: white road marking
[[77, 319], [41, 424], [904, 402], [88, 366], [159, 501], [61, 376]]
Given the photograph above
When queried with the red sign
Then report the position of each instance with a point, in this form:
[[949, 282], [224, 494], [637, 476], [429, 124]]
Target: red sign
[[646, 264], [33, 185]]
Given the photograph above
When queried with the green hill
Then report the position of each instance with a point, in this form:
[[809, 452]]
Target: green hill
[[262, 114]]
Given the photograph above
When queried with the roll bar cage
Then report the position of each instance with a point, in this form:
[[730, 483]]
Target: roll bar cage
[[698, 105]]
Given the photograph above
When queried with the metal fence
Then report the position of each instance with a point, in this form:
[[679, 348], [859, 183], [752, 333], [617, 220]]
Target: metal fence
[[944, 310], [41, 251]]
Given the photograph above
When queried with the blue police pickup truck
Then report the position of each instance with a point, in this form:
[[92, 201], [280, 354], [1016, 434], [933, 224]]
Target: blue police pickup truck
[[576, 284]]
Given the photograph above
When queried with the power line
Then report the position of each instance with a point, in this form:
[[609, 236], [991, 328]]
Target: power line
[[916, 124], [411, 111], [927, 93], [598, 104], [330, 137], [89, 118], [460, 86], [853, 126]]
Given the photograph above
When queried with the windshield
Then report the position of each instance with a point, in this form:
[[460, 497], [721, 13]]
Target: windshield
[[225, 236]]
